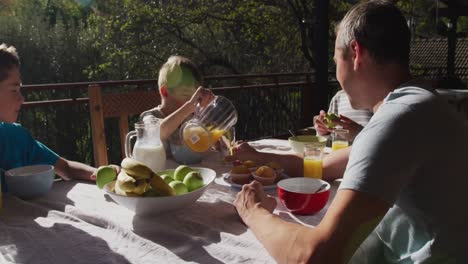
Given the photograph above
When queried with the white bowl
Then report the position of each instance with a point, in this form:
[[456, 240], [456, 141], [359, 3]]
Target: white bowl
[[30, 181], [152, 205], [297, 143]]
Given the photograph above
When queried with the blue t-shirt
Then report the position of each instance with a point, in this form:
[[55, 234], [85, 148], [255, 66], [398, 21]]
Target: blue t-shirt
[[18, 148], [413, 155]]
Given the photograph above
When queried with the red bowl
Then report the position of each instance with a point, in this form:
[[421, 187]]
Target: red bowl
[[299, 195]]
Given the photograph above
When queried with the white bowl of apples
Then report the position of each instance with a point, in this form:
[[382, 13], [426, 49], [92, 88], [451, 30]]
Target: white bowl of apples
[[159, 192]]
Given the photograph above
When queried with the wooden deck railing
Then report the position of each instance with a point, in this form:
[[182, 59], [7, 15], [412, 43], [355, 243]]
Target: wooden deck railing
[[268, 105]]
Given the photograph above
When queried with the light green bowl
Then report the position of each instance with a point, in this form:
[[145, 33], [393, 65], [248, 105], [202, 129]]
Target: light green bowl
[[297, 143]]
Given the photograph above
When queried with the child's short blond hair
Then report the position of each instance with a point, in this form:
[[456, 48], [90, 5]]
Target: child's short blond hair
[[179, 72], [8, 59]]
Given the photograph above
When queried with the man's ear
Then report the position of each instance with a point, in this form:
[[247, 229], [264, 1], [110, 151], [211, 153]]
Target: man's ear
[[356, 54], [163, 91]]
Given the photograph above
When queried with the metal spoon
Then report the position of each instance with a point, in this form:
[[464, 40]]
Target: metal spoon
[[323, 186], [292, 133]]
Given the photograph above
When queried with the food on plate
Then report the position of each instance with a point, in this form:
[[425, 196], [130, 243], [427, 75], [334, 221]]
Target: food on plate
[[178, 187], [236, 163], [265, 175], [240, 169], [241, 180], [265, 172], [329, 118], [193, 181], [181, 171], [249, 163], [273, 165], [240, 174], [104, 175]]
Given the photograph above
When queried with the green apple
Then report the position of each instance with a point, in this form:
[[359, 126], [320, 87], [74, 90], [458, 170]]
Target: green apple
[[104, 175], [329, 118], [194, 181], [181, 171], [167, 178], [178, 187]]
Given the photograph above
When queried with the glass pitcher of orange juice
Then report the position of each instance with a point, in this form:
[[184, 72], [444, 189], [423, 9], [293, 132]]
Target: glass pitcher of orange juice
[[209, 124]]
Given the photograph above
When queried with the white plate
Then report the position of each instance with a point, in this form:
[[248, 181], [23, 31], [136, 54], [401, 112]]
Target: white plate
[[225, 180]]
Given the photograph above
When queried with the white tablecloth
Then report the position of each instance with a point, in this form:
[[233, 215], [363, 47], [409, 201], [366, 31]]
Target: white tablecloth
[[78, 223]]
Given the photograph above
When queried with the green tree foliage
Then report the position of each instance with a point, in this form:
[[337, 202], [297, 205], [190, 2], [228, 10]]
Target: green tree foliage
[[223, 37]]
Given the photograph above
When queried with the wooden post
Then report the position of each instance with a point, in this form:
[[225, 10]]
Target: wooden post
[[97, 125], [320, 44], [123, 127], [307, 95]]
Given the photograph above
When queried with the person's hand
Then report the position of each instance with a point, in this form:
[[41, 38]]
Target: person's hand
[[348, 124], [242, 151], [252, 197], [203, 96], [319, 124]]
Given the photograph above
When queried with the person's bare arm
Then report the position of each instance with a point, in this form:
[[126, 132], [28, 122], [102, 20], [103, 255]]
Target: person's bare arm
[[334, 164], [173, 121], [349, 220], [74, 170]]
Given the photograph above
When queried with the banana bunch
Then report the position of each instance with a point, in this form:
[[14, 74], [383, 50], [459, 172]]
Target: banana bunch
[[136, 179]]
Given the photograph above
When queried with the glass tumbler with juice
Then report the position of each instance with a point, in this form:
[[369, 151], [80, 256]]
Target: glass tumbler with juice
[[339, 139], [313, 155]]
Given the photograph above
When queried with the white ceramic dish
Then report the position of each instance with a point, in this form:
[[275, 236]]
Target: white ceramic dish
[[297, 143], [153, 205], [30, 181]]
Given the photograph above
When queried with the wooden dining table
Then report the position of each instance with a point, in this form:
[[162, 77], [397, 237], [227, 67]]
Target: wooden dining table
[[78, 223]]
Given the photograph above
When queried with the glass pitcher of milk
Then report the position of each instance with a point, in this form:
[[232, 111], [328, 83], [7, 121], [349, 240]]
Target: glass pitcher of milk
[[148, 148]]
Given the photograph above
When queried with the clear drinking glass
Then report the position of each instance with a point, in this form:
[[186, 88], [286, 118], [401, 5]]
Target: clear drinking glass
[[313, 156], [339, 138]]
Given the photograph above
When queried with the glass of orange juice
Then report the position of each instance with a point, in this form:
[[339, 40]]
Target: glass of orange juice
[[339, 139], [313, 155]]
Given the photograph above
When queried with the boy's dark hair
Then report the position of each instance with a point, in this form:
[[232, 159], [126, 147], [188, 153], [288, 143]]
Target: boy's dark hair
[[8, 59], [380, 27]]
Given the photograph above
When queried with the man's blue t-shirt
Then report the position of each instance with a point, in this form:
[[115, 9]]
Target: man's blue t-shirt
[[413, 155], [18, 148]]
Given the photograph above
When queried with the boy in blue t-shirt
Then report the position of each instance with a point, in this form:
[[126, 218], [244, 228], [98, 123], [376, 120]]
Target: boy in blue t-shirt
[[17, 147]]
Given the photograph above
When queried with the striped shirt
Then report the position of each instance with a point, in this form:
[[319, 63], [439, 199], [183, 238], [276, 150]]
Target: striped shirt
[[340, 105]]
